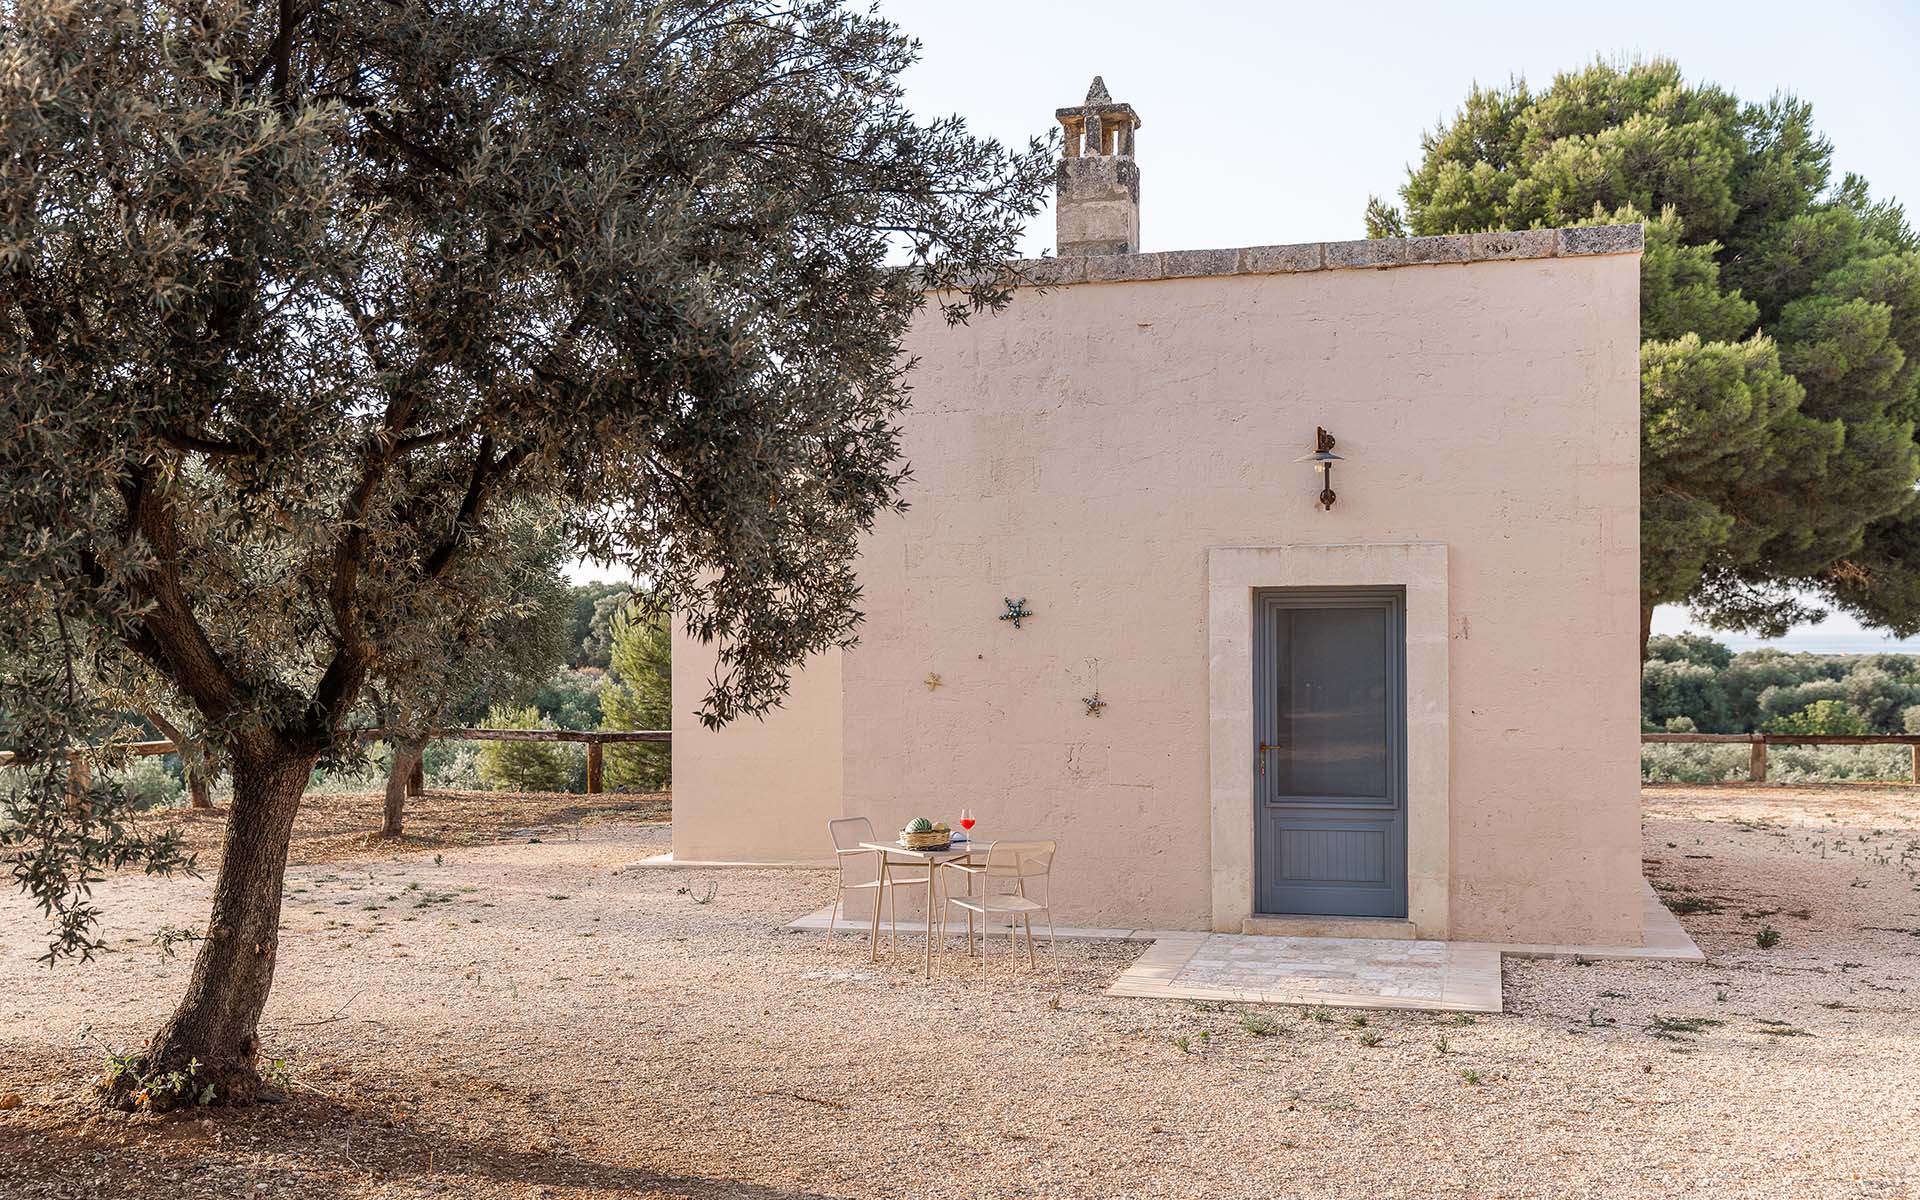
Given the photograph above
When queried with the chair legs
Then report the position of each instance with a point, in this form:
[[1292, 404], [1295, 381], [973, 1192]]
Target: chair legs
[[833, 914]]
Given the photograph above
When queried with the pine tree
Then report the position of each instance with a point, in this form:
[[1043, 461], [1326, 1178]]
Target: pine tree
[[639, 695], [1780, 325], [523, 766]]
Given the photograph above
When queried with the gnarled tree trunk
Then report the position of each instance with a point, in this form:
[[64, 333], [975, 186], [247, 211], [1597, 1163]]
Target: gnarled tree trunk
[[217, 1022], [407, 756]]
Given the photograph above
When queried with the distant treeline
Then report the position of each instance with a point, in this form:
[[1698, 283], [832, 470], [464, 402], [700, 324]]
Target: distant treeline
[[1694, 684]]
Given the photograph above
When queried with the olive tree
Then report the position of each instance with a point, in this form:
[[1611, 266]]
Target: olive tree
[[506, 635], [297, 300]]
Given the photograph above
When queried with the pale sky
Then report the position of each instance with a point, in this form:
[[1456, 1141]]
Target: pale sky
[[1273, 122]]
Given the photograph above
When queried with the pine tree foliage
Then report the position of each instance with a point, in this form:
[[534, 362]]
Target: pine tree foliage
[[639, 695], [524, 766], [1780, 318]]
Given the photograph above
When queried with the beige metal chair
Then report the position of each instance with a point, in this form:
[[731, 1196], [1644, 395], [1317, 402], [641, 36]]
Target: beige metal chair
[[1012, 872], [847, 834]]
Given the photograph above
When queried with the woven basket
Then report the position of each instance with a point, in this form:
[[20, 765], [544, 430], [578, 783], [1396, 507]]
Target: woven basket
[[932, 839]]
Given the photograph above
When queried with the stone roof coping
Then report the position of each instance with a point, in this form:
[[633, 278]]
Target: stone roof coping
[[1576, 242]]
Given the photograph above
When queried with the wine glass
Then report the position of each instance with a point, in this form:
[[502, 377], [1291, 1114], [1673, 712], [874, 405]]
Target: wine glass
[[966, 822]]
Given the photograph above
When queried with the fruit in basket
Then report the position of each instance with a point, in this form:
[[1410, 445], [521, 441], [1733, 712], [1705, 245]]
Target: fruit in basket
[[942, 827], [919, 825]]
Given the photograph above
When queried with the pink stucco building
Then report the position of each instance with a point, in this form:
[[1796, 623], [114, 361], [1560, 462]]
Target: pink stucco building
[[1414, 711]]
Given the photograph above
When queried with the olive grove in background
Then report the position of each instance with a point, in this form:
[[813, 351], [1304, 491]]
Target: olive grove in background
[[1692, 684]]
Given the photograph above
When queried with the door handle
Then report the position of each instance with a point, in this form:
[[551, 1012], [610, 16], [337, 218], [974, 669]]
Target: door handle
[[1264, 747]]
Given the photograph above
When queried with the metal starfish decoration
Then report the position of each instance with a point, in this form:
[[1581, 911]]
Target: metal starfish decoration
[[933, 680], [1017, 611], [1094, 704]]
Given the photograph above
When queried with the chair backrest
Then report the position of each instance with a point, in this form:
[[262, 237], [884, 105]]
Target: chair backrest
[[849, 832], [1020, 860]]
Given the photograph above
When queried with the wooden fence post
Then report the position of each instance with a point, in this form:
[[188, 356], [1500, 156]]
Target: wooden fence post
[[1915, 748], [593, 766], [1757, 760]]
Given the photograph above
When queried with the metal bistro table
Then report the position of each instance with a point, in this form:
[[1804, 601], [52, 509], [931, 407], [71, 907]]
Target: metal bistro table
[[890, 852]]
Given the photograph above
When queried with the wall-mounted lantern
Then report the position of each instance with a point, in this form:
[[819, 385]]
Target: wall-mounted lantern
[[1323, 459]]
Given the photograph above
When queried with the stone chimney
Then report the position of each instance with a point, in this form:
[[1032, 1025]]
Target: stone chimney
[[1097, 204]]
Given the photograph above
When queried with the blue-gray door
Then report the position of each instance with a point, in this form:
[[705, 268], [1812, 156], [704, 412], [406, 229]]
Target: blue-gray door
[[1330, 776]]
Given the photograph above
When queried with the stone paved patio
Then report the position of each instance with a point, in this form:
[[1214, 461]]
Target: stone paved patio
[[1338, 972], [1341, 972]]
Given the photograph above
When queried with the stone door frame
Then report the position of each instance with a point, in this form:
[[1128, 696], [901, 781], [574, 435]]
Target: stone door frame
[[1234, 574]]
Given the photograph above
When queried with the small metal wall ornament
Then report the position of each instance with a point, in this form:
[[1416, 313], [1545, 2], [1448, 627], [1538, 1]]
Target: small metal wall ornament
[[933, 680], [1094, 704], [1017, 611]]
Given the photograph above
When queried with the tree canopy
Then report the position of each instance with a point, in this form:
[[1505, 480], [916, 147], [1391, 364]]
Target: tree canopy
[[1691, 684], [297, 302], [594, 606], [1780, 318]]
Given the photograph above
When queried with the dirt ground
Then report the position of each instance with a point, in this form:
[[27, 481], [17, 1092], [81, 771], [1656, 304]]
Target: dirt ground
[[508, 1007]]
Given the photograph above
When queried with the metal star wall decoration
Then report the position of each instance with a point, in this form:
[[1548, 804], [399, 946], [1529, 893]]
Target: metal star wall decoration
[[1094, 704], [1017, 611]]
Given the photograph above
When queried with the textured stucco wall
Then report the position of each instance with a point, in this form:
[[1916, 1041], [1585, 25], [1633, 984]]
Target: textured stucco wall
[[755, 791], [1086, 448]]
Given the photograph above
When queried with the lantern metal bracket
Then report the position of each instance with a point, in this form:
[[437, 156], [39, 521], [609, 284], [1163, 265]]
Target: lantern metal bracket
[[1323, 459]]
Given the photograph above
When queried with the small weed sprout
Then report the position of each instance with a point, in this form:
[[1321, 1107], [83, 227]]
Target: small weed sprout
[[1318, 1013], [170, 936], [705, 897], [1470, 1077], [149, 1089], [278, 1074], [1766, 937], [1183, 1045], [1370, 1037], [1443, 1044], [1261, 1025]]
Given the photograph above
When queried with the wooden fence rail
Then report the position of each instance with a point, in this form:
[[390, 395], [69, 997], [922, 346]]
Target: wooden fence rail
[[593, 739], [1757, 744]]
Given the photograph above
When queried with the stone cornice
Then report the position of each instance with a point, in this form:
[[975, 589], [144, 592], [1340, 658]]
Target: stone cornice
[[1371, 254]]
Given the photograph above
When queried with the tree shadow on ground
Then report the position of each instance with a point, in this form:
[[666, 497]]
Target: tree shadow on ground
[[323, 1148]]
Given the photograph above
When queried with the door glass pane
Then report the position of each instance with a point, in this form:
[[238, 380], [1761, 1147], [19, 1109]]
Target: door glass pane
[[1332, 708]]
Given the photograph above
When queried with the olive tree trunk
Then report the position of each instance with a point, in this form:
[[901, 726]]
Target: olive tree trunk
[[212, 1040], [407, 756], [193, 761]]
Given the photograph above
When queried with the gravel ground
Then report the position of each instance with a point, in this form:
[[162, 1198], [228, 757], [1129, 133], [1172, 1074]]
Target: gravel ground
[[510, 1009]]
